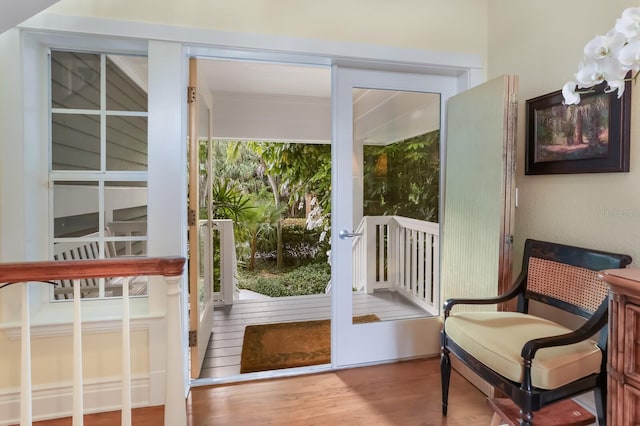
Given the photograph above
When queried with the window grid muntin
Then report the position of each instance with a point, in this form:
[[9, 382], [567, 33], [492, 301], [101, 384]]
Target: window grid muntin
[[100, 176]]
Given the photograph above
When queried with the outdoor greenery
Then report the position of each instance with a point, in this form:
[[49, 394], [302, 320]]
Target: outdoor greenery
[[279, 197], [403, 178], [301, 280]]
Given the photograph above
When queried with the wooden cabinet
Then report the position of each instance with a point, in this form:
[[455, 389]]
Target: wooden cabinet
[[623, 364]]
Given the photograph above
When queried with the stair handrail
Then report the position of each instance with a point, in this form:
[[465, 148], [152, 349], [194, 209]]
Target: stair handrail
[[53, 270], [170, 267]]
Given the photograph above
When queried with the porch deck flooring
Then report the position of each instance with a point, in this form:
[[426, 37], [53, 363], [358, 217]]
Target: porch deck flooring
[[225, 345]]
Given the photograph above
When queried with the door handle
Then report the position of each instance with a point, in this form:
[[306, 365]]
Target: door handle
[[344, 234]]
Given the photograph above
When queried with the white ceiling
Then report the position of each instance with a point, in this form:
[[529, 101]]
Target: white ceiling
[[264, 78], [257, 100], [13, 12]]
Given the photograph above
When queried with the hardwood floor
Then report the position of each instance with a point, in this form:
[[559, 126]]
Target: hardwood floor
[[405, 393], [222, 359], [399, 394]]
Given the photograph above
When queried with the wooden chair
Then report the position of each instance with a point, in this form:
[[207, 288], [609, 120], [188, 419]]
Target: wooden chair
[[89, 287], [532, 360]]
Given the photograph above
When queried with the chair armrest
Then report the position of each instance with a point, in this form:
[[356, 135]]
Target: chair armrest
[[508, 295], [588, 329], [449, 304]]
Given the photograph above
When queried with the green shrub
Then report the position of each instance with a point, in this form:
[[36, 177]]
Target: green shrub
[[270, 287], [302, 245], [302, 280], [309, 279]]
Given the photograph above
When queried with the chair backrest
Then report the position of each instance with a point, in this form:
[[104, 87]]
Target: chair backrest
[[566, 277], [81, 250]]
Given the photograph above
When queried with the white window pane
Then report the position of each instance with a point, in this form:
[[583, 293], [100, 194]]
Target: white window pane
[[75, 207], [126, 143], [75, 80], [126, 83]]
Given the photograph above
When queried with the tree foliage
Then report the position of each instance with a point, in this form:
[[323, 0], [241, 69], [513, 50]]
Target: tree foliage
[[300, 172], [303, 168], [272, 180], [228, 200], [403, 178]]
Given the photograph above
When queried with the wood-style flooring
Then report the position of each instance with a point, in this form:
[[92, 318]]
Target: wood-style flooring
[[222, 359], [398, 394]]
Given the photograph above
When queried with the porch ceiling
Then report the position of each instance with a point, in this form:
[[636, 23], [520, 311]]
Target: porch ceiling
[[266, 101], [250, 100]]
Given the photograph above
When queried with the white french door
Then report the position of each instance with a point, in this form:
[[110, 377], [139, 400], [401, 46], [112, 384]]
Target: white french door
[[375, 108], [201, 252]]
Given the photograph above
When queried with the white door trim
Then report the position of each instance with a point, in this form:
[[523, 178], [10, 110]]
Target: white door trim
[[271, 48]]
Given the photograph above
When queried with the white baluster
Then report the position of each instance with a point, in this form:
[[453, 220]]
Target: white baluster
[[25, 370], [78, 420], [174, 410], [126, 356], [418, 291], [436, 271]]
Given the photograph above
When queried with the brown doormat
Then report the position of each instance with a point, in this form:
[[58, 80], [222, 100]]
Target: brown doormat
[[289, 344]]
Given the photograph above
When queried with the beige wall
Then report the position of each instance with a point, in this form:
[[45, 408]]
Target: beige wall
[[458, 26], [52, 360], [542, 42]]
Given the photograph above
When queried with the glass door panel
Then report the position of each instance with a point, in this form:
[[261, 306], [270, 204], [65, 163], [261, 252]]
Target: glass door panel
[[396, 169], [385, 251]]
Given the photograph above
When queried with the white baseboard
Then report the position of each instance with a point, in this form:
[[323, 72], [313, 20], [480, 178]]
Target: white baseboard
[[55, 401]]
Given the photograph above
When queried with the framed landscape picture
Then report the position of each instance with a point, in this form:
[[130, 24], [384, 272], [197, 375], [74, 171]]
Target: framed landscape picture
[[591, 137]]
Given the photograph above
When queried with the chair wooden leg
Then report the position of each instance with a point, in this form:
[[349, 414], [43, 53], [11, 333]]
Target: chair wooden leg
[[600, 396], [526, 418], [445, 376]]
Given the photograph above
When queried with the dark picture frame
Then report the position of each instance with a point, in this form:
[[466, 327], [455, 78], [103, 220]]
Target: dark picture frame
[[591, 137]]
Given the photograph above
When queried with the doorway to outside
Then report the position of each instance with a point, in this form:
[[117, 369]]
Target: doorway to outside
[[265, 159]]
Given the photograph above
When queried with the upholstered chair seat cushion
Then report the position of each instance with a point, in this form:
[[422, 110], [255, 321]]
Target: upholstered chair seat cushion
[[496, 340]]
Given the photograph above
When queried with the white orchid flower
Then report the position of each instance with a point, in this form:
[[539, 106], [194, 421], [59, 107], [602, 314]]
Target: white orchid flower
[[629, 56], [629, 23], [608, 58], [569, 94], [592, 73], [589, 74], [613, 85], [606, 46]]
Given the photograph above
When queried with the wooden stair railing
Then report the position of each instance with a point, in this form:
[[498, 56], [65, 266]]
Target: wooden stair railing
[[171, 268]]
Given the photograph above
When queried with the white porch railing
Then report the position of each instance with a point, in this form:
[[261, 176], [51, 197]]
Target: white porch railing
[[169, 267], [228, 266], [399, 254], [131, 232]]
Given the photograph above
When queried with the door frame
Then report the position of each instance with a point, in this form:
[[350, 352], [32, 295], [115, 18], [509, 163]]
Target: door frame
[[465, 77], [200, 312]]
